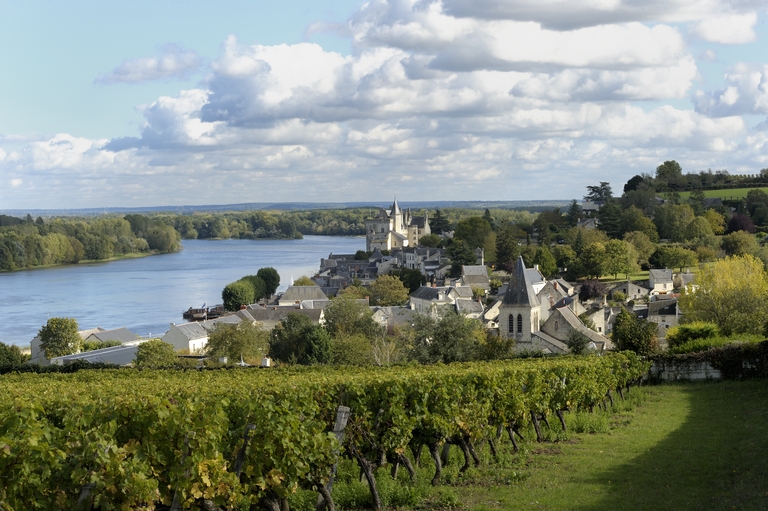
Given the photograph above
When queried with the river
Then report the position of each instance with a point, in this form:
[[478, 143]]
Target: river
[[146, 294]]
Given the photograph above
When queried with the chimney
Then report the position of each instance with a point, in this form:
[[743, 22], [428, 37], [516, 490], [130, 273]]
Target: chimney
[[554, 284]]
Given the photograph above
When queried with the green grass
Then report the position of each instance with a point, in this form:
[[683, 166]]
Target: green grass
[[698, 345], [726, 193], [680, 446]]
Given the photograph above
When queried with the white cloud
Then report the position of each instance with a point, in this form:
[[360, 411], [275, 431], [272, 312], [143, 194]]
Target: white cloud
[[172, 62], [443, 96], [729, 29], [746, 92], [15, 183]]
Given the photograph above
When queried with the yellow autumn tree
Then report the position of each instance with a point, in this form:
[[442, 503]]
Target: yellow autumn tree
[[732, 293]]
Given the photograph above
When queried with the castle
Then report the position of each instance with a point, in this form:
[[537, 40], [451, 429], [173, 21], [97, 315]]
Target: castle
[[395, 228]]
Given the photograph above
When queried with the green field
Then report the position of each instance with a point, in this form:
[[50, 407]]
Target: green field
[[725, 194], [685, 447]]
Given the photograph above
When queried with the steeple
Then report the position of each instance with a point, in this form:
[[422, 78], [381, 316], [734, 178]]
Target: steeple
[[519, 291], [395, 207]]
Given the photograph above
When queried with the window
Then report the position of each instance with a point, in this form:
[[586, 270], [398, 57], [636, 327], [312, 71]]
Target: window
[[511, 324], [519, 324], [557, 326]]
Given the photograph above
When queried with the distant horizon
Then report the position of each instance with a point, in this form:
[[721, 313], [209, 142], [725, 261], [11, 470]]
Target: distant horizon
[[287, 206]]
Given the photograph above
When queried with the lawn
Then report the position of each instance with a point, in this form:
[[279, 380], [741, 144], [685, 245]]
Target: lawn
[[725, 193], [675, 446]]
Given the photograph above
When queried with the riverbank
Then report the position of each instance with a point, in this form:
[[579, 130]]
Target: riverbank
[[147, 294]]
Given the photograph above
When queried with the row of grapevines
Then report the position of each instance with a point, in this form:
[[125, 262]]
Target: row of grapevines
[[127, 439]]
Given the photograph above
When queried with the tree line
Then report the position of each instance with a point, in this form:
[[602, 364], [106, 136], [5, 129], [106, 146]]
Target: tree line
[[27, 243]]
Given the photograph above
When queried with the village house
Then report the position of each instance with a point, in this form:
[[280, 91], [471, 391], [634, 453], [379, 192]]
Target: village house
[[294, 295], [431, 300], [660, 281], [191, 337]]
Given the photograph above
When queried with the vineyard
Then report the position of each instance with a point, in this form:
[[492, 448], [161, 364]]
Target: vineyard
[[249, 438]]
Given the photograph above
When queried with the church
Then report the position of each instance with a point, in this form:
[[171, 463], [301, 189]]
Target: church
[[395, 228], [537, 320]]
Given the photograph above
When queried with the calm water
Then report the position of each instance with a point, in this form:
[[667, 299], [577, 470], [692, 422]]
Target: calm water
[[145, 295]]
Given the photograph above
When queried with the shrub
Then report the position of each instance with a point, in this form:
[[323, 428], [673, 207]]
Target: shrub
[[682, 334]]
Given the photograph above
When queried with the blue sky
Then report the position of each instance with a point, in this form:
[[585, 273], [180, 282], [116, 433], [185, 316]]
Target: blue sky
[[189, 102]]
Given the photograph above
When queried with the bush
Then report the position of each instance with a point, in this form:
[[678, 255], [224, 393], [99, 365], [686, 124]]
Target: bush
[[11, 355], [155, 354], [682, 334]]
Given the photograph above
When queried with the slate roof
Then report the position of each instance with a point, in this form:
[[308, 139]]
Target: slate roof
[[658, 275], [397, 315], [300, 293], [428, 293], [519, 291], [277, 314], [118, 334], [662, 308], [469, 306], [232, 319], [478, 270], [558, 345], [192, 330]]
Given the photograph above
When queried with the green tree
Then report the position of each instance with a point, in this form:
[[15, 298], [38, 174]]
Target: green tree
[[431, 241], [633, 219], [698, 229], [696, 201], [610, 219], [620, 257], [597, 193], [347, 316], [574, 213], [304, 281], [635, 334], [669, 171], [388, 290], [448, 338], [461, 254], [412, 279], [732, 293], [238, 293], [11, 355], [235, 340], [670, 256], [507, 248], [259, 286], [297, 340], [476, 232], [59, 337], [739, 243], [577, 342], [642, 244], [439, 224], [716, 221], [271, 279], [546, 262], [591, 262], [672, 219], [564, 256], [155, 354]]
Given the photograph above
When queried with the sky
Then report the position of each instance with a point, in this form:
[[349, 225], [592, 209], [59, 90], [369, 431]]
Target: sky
[[192, 102]]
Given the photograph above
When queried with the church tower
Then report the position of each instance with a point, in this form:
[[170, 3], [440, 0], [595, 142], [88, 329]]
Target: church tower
[[520, 311]]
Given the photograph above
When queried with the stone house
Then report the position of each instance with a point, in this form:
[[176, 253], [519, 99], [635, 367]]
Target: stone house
[[660, 281]]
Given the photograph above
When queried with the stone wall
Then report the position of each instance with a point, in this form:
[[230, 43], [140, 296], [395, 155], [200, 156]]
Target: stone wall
[[689, 370]]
